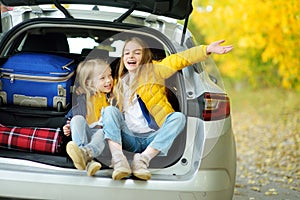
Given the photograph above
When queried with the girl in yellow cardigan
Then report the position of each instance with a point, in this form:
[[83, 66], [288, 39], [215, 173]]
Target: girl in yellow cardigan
[[94, 83], [145, 122]]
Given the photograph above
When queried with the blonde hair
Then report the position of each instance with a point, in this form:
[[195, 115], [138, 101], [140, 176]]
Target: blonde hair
[[145, 69], [86, 72]]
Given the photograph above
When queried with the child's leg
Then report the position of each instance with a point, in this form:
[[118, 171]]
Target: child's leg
[[79, 149], [96, 145], [141, 162], [96, 142], [116, 130], [119, 161], [113, 123], [166, 135], [79, 130], [160, 143]]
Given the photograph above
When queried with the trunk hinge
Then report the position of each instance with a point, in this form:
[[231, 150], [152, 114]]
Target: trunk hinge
[[62, 9], [127, 13], [1, 31]]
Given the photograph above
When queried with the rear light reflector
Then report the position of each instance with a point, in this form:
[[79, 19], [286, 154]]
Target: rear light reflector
[[216, 106]]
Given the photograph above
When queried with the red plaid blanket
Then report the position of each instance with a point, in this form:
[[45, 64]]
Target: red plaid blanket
[[43, 140]]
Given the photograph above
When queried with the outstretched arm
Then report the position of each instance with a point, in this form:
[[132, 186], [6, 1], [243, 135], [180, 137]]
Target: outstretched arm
[[215, 47]]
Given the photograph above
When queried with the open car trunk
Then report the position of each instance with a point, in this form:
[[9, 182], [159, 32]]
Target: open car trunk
[[177, 9], [23, 116]]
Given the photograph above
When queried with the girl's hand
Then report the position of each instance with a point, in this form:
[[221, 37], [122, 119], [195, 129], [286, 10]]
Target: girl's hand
[[216, 48], [66, 129]]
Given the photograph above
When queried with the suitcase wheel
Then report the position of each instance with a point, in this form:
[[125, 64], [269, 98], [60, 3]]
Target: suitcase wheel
[[59, 106]]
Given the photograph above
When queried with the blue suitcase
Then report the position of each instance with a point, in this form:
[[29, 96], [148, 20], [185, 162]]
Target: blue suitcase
[[37, 80]]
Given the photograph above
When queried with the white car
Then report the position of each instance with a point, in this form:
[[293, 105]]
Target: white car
[[201, 164]]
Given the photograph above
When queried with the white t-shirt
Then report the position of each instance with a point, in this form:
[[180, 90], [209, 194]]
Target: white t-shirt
[[133, 114]]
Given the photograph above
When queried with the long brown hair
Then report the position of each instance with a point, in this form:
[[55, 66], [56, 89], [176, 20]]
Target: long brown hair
[[145, 71]]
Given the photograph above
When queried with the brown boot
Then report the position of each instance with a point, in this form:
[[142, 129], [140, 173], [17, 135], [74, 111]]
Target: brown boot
[[80, 156], [140, 166], [92, 167]]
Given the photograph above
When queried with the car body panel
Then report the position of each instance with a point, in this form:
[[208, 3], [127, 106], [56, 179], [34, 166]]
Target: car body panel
[[75, 184], [203, 167]]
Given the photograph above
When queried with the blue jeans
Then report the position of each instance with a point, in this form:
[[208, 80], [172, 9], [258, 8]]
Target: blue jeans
[[116, 129], [84, 136]]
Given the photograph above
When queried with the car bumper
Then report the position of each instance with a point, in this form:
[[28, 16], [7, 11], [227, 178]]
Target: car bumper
[[28, 185]]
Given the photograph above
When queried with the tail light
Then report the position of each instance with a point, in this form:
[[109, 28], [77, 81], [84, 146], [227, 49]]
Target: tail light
[[215, 106]]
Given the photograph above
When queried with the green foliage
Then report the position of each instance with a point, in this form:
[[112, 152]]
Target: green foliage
[[265, 35]]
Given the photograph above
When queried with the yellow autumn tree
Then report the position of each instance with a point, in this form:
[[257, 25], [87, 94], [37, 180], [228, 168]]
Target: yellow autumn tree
[[265, 35]]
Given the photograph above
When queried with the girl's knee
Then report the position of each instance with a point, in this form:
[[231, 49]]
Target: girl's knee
[[100, 134], [111, 110], [77, 119], [179, 116]]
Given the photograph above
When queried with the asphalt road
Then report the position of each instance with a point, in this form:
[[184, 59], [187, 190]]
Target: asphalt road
[[268, 156], [272, 187]]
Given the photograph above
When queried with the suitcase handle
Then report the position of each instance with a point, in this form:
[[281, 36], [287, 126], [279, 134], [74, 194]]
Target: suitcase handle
[[66, 67]]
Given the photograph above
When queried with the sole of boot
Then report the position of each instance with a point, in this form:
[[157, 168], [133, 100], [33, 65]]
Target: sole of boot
[[120, 174], [142, 176], [93, 167]]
